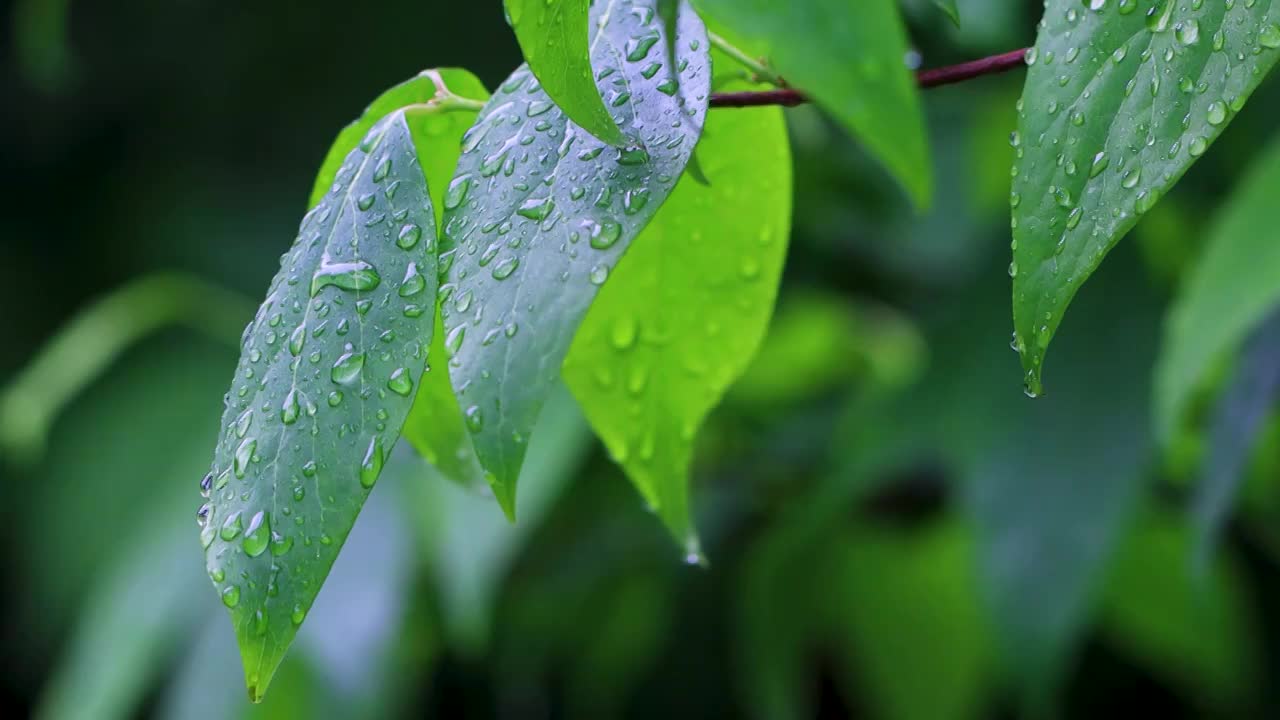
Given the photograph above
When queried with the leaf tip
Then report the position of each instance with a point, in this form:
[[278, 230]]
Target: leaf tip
[[505, 494]]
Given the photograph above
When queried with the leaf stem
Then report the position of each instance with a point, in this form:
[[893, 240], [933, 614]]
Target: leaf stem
[[757, 67], [935, 77], [83, 349]]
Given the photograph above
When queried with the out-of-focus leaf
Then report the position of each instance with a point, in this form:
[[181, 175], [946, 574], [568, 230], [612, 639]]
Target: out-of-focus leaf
[[436, 135], [1241, 412], [540, 212], [42, 49], [1119, 101], [326, 378], [847, 56], [95, 337], [683, 314], [1051, 491], [472, 547], [1230, 291], [1200, 635], [948, 7], [131, 622], [891, 596], [553, 37]]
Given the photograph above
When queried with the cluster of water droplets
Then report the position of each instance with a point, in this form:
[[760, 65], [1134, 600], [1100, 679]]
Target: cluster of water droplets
[[327, 371], [540, 211]]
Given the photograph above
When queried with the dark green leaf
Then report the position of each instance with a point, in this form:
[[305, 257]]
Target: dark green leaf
[[949, 8], [1119, 102], [847, 56], [684, 313], [540, 212], [553, 37], [325, 380], [1232, 288]]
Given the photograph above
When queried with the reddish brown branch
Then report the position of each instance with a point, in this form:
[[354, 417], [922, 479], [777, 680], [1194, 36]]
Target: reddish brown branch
[[925, 78]]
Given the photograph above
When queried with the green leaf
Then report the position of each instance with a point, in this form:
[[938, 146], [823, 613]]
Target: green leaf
[[435, 426], [1232, 288], [325, 380], [1118, 104], [540, 212], [553, 37], [684, 313], [948, 7], [847, 56], [436, 134]]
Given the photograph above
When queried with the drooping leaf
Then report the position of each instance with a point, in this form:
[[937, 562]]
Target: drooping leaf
[[1241, 412], [540, 212], [1119, 102], [554, 37], [437, 135], [847, 56], [948, 7], [1231, 289], [325, 380], [684, 312]]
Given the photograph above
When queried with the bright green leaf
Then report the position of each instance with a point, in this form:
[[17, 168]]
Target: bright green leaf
[[1118, 103], [949, 8], [1228, 294], [437, 135], [685, 311], [325, 380], [847, 56], [540, 212], [553, 37]]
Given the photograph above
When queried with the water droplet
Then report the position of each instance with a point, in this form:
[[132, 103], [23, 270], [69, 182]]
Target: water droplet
[[353, 276], [231, 527], [400, 383], [605, 234], [371, 466], [347, 368], [408, 236], [289, 410], [257, 535], [243, 455], [505, 267], [231, 596], [475, 419], [413, 282]]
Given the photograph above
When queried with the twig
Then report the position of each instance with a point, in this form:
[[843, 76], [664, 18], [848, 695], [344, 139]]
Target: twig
[[926, 79]]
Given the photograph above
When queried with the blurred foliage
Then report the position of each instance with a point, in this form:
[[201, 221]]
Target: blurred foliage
[[893, 530]]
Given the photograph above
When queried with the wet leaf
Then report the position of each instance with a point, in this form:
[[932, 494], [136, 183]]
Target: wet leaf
[[325, 380], [539, 213], [554, 37], [1118, 103], [847, 56], [685, 311], [1228, 294]]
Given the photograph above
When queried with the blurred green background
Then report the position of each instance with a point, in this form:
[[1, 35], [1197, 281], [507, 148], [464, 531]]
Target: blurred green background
[[894, 530]]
